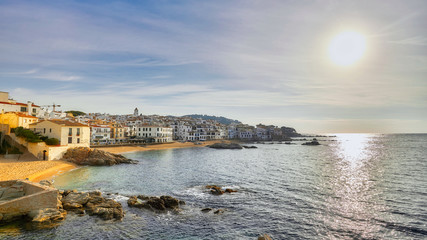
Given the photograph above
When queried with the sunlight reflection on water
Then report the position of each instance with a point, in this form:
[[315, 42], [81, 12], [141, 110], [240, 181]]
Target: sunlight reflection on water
[[351, 195]]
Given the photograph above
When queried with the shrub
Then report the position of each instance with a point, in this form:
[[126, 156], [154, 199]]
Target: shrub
[[52, 141], [29, 135]]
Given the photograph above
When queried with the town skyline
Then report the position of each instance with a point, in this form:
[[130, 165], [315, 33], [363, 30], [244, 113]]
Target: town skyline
[[253, 62]]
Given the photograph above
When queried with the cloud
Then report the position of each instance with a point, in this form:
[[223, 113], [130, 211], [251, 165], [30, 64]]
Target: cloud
[[219, 57], [418, 41]]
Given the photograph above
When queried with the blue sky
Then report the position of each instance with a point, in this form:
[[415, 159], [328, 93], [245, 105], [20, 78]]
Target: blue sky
[[256, 61]]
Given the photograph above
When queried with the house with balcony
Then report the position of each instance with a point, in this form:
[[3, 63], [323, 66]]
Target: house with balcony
[[68, 133], [158, 134]]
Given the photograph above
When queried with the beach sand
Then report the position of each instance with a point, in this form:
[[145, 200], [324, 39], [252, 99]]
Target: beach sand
[[11, 169], [125, 149]]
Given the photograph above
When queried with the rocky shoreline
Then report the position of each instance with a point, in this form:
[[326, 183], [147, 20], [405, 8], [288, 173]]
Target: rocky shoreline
[[95, 157]]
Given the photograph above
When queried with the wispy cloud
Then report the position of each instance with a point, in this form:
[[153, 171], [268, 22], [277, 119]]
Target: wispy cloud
[[238, 58]]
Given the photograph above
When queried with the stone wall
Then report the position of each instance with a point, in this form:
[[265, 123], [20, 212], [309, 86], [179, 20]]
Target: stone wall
[[37, 149], [36, 197]]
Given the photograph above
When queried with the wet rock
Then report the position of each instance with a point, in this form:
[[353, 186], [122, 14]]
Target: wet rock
[[219, 211], [162, 203], [92, 203], [216, 190], [75, 200], [264, 237], [249, 147], [229, 190], [155, 204], [94, 157], [206, 210], [106, 209], [225, 146], [46, 218], [170, 202], [312, 143]]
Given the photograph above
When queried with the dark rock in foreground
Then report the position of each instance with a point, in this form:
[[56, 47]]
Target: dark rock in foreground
[[161, 204], [94, 157], [92, 203], [225, 146]]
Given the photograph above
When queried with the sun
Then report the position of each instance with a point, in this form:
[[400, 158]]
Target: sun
[[347, 48]]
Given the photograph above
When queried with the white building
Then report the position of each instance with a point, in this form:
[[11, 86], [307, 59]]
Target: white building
[[10, 105], [157, 133], [100, 134], [68, 133]]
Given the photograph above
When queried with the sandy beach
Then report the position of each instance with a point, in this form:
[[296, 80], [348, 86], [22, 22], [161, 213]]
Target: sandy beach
[[35, 171], [125, 149]]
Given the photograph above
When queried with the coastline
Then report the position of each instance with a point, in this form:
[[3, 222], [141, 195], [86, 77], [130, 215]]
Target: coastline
[[36, 171], [163, 146]]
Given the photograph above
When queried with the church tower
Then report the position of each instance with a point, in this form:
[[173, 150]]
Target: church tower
[[136, 112]]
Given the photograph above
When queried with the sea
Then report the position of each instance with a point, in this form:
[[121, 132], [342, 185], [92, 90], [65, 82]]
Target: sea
[[352, 186]]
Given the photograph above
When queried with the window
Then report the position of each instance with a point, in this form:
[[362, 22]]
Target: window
[[50, 130], [70, 132], [23, 109], [44, 130], [78, 131], [34, 110], [70, 139], [78, 140]]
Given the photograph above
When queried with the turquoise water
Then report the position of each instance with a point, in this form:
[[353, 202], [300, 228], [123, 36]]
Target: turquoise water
[[357, 187]]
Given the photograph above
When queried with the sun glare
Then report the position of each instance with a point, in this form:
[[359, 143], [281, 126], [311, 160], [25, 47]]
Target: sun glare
[[346, 48]]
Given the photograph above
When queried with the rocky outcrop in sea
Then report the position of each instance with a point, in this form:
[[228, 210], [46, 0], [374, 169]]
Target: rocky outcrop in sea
[[94, 157], [157, 204], [225, 146], [91, 203]]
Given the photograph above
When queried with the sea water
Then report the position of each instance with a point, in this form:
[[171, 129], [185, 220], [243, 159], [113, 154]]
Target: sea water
[[353, 186]]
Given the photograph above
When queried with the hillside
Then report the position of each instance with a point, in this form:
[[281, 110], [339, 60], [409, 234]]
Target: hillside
[[222, 120]]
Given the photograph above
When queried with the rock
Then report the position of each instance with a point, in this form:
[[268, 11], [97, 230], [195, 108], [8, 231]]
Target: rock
[[106, 209], [170, 202], [94, 157], [75, 200], [264, 237], [215, 190], [206, 209], [229, 190], [162, 203], [92, 203], [46, 218], [249, 147], [155, 204], [225, 146], [312, 143], [46, 183], [219, 211]]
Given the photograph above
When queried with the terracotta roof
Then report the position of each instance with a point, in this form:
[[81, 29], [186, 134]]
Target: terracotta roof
[[17, 103], [20, 114], [63, 122]]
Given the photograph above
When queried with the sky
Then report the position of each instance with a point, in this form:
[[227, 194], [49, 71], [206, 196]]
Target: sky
[[255, 61]]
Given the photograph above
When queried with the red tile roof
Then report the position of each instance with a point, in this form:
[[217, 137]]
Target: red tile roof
[[64, 123], [17, 103], [20, 114]]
